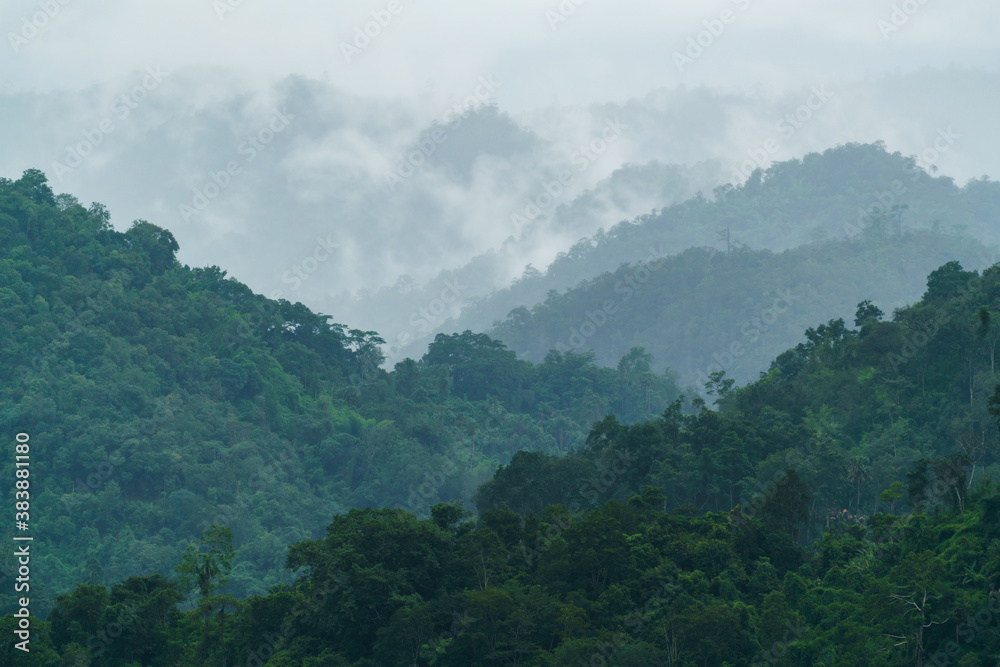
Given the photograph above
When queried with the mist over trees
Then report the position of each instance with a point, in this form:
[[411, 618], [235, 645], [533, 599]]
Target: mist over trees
[[167, 398], [196, 439], [822, 231], [529, 334]]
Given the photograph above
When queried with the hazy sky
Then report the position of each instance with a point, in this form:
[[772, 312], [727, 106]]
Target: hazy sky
[[574, 52], [289, 117]]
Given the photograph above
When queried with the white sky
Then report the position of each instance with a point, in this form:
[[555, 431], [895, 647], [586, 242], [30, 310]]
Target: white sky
[[603, 51]]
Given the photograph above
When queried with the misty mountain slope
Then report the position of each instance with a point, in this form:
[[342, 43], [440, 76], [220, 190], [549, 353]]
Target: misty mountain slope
[[703, 310], [834, 194], [323, 177], [456, 145], [413, 309]]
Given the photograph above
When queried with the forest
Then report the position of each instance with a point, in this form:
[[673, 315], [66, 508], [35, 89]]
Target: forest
[[678, 308], [225, 479], [853, 222], [163, 399]]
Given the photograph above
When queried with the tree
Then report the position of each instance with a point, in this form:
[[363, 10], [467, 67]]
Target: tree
[[78, 614], [205, 566], [479, 366], [918, 481], [892, 495], [995, 404], [383, 560], [156, 244], [366, 346], [719, 384], [34, 185], [947, 281], [866, 313], [635, 362], [989, 332], [858, 471], [143, 608], [787, 504], [406, 377]]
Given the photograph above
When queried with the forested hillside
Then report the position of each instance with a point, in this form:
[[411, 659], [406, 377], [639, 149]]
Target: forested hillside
[[190, 440], [161, 399], [481, 334], [859, 410], [841, 511], [706, 310], [628, 191], [879, 201]]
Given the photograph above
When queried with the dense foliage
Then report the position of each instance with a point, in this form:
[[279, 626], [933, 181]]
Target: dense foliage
[[858, 412], [627, 584], [161, 399], [706, 310], [841, 510]]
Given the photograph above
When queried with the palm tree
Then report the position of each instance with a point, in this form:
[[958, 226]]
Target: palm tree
[[857, 470]]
